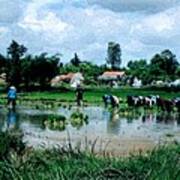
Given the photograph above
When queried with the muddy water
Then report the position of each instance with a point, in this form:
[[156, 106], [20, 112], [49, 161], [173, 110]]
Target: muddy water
[[116, 134]]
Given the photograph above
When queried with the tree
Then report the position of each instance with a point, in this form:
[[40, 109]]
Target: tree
[[139, 69], [44, 68], [75, 61], [89, 70], [2, 63], [114, 55], [27, 71], [15, 53], [163, 66], [171, 62], [178, 72]]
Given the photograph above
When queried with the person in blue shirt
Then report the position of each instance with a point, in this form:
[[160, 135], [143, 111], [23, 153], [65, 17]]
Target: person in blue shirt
[[12, 97]]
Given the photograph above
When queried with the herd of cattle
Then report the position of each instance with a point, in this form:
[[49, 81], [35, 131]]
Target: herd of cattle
[[149, 101], [145, 101]]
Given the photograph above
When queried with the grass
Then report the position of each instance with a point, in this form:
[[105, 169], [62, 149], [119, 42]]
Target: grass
[[65, 163], [93, 95]]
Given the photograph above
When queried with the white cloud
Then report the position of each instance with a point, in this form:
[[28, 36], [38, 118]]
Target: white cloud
[[69, 26], [49, 24], [10, 11], [158, 29], [3, 30]]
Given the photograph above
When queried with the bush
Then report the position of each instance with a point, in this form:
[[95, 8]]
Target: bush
[[9, 142]]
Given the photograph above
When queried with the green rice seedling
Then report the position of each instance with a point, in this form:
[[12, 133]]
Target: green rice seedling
[[78, 119], [56, 122]]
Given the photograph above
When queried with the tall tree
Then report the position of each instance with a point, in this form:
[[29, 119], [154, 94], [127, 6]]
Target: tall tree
[[164, 65], [114, 55], [27, 71], [44, 68], [2, 63], [75, 61], [15, 52]]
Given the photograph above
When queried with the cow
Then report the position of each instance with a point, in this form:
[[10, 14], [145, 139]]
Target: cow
[[135, 101], [110, 99], [150, 100], [165, 105]]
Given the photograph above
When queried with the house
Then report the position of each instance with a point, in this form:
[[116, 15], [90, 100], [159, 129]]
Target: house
[[137, 83], [111, 76], [175, 83], [74, 79]]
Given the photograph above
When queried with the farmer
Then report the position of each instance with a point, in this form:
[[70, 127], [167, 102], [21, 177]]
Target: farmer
[[79, 95], [12, 97]]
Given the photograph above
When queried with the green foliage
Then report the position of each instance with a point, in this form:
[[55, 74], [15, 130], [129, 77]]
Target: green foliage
[[177, 72], [78, 119], [15, 52], [114, 55], [163, 66], [2, 63], [138, 69], [90, 71], [10, 141], [75, 61], [28, 70], [68, 163], [44, 68], [55, 122]]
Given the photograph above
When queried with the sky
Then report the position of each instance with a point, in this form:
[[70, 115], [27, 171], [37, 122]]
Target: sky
[[141, 27]]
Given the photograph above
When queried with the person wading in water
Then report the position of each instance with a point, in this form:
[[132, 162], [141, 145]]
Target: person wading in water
[[79, 95], [12, 97]]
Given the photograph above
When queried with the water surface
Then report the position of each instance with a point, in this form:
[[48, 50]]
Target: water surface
[[123, 133]]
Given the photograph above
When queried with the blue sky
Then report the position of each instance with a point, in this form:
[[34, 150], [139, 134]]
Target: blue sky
[[141, 27]]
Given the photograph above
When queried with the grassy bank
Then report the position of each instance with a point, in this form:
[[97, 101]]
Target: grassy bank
[[18, 162], [93, 95]]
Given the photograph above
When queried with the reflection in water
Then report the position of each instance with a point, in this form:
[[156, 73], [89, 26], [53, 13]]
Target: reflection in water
[[125, 124], [11, 119], [116, 120], [148, 117], [168, 118], [113, 124]]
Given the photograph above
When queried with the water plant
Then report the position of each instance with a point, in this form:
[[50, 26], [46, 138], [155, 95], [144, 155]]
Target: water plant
[[55, 122], [78, 119]]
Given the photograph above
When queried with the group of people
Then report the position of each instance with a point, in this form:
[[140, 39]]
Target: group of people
[[12, 96]]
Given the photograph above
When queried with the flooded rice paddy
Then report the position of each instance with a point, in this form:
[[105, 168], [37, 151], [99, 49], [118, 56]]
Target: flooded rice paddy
[[110, 132]]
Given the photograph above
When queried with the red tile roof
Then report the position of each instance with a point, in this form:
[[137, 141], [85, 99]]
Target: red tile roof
[[113, 73]]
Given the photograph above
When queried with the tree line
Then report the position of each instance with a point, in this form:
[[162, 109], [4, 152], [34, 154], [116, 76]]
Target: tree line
[[25, 70], [162, 67]]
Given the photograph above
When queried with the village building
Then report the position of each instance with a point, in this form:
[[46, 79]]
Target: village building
[[74, 79], [111, 77]]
